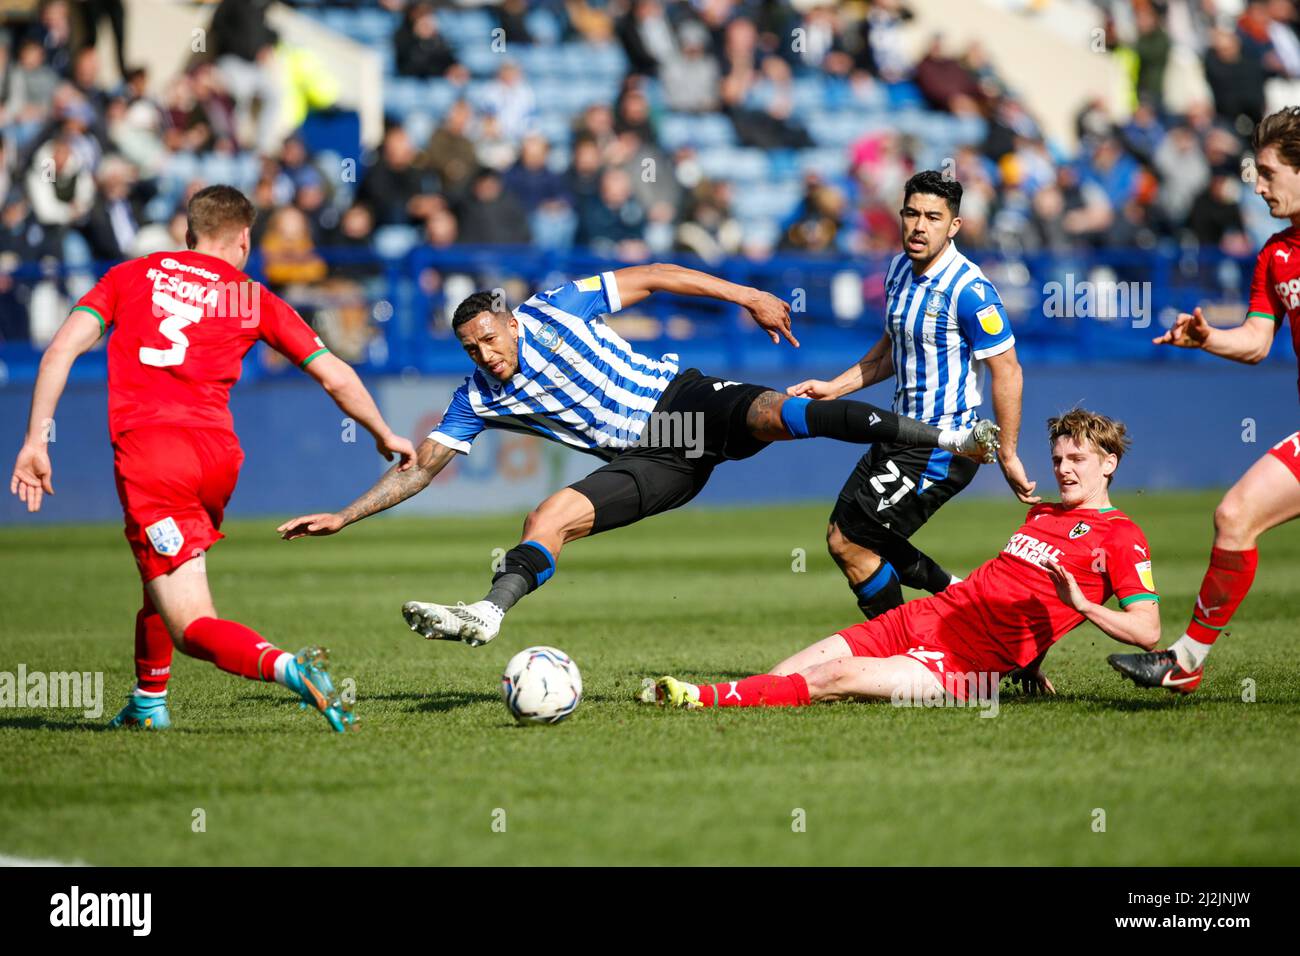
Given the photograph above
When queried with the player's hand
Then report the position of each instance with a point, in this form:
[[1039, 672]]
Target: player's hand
[[1018, 479], [1032, 681], [390, 445], [812, 388], [31, 478], [316, 525], [1187, 332], [772, 315], [1067, 588]]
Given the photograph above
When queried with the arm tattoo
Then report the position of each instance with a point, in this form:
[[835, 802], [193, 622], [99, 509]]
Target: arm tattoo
[[393, 488]]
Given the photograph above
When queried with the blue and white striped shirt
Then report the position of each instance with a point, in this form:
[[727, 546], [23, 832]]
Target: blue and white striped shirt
[[941, 325], [579, 383]]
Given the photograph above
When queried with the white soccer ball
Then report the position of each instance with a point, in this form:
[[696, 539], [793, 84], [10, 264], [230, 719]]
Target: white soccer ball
[[541, 685]]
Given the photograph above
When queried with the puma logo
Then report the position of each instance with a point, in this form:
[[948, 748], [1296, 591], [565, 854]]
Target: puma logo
[[732, 693], [1140, 550], [1206, 610], [1283, 254]]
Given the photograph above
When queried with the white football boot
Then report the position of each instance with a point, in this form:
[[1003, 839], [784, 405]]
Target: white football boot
[[475, 624]]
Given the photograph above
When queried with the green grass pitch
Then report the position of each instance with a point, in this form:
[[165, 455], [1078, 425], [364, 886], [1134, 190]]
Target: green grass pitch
[[439, 767]]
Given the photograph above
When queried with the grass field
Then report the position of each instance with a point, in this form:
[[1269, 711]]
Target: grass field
[[1208, 779]]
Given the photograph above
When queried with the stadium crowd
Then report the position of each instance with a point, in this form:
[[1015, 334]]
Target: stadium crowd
[[88, 169]]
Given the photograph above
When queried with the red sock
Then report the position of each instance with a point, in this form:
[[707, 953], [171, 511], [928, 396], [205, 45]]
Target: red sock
[[153, 650], [762, 690], [232, 647], [1222, 590]]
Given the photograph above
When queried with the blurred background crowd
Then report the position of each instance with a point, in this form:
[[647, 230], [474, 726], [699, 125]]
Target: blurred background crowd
[[720, 129]]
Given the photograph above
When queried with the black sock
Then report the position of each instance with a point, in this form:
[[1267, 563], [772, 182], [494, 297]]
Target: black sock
[[916, 569], [859, 422], [880, 592], [527, 566]]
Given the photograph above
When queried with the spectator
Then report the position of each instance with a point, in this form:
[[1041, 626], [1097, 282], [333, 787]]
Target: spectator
[[114, 220], [647, 36], [450, 151], [531, 181], [583, 179], [510, 100], [612, 221], [1152, 48], [245, 46], [1183, 171], [352, 243], [53, 31], [30, 94], [1237, 81], [815, 226], [92, 11], [690, 83], [708, 229], [420, 50], [490, 215], [60, 188], [394, 188], [85, 78], [289, 256], [1215, 217]]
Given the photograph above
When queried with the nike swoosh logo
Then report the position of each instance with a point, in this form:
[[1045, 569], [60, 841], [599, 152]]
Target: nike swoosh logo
[[1170, 681]]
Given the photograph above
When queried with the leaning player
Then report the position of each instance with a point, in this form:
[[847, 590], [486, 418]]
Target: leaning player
[[1058, 570], [944, 324], [1268, 494], [553, 368], [182, 323]]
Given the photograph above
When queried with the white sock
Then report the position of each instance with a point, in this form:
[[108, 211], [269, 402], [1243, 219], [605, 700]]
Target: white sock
[[148, 693], [281, 663], [951, 439], [1191, 652]]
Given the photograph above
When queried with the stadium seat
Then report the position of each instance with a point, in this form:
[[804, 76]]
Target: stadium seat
[[393, 242]]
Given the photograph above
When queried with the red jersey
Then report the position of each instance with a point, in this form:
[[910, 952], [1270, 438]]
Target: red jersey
[[183, 322], [1275, 289], [1007, 612]]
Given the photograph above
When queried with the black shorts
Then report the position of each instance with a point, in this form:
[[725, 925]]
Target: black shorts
[[698, 422], [894, 489]]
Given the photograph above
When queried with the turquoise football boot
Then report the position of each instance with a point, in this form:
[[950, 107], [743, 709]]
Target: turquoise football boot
[[143, 713], [307, 675]]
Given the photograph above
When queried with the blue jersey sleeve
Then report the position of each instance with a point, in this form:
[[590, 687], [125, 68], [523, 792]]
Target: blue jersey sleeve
[[459, 426], [586, 298], [983, 319]]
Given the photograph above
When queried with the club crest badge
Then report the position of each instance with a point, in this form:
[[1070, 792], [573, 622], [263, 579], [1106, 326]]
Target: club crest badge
[[935, 303], [547, 337], [165, 537], [1079, 530]]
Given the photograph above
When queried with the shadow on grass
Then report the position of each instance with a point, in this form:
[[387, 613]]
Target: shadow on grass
[[37, 722]]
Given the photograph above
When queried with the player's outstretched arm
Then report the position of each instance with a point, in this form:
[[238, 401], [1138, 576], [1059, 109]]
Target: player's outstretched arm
[[771, 313], [876, 366], [1248, 343], [1007, 388], [343, 385], [1137, 624], [33, 471], [393, 488]]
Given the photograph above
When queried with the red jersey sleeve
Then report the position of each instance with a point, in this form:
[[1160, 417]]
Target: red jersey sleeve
[[284, 330], [1128, 564], [101, 301], [1264, 298]]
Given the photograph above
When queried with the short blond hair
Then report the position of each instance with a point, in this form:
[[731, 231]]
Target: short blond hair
[[1107, 435]]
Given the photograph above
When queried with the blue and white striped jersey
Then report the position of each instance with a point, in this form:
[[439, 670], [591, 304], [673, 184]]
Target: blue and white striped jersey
[[941, 325], [579, 383]]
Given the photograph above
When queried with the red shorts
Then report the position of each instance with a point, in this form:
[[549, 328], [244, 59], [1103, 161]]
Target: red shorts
[[174, 484], [890, 636], [1287, 451]]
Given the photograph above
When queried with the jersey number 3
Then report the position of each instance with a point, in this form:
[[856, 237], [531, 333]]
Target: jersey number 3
[[176, 315]]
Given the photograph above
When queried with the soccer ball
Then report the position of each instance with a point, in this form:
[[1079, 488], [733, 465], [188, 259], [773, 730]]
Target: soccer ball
[[541, 685]]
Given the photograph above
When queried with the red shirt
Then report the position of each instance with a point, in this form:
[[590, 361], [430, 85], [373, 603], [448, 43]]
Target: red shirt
[[1007, 612], [1275, 289], [183, 322]]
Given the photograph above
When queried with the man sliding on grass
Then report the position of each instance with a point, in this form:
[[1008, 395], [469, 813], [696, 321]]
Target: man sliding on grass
[[1060, 568]]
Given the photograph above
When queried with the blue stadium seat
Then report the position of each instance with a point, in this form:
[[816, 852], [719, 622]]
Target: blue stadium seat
[[702, 131], [544, 27]]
